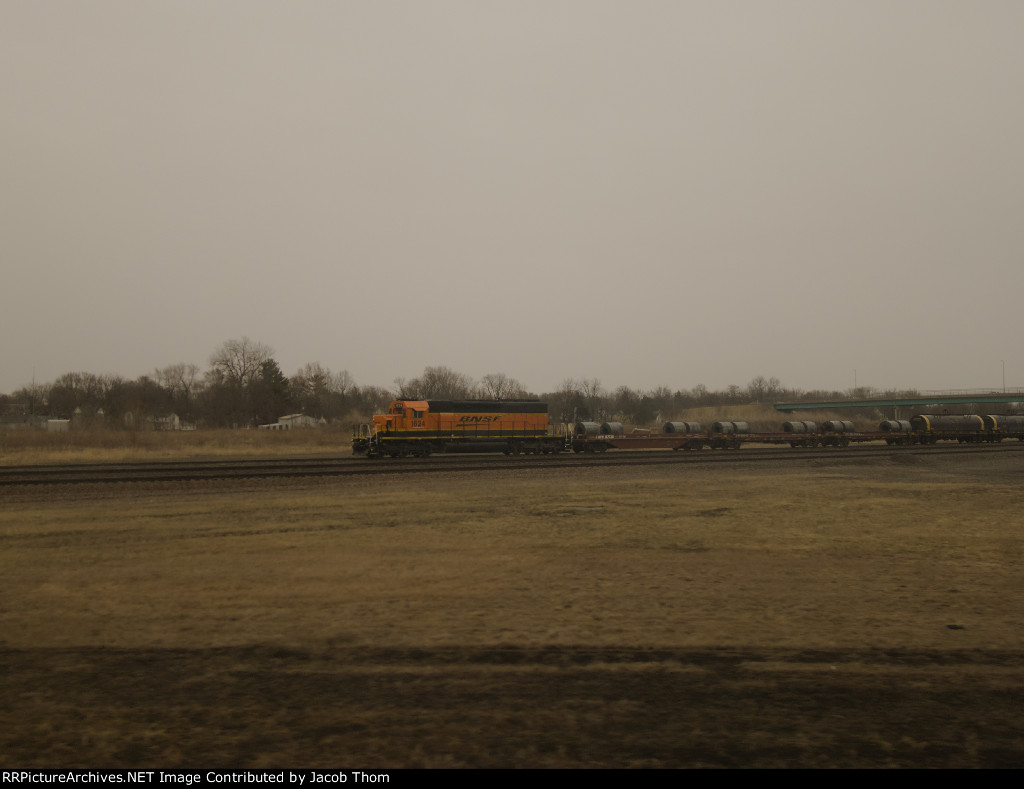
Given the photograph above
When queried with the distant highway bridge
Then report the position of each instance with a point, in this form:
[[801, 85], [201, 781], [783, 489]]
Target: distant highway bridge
[[959, 397]]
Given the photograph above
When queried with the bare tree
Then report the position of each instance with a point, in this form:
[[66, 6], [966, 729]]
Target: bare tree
[[240, 361], [319, 392], [342, 383], [498, 386], [660, 404], [594, 397], [403, 388], [237, 371], [78, 392], [311, 382], [182, 381], [567, 404], [32, 398], [761, 388], [440, 383], [372, 399]]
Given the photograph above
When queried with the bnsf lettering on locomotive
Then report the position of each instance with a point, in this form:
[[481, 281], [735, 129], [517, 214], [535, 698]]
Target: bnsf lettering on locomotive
[[478, 418]]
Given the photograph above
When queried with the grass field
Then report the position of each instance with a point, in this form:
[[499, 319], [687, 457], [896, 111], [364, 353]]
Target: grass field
[[34, 447], [854, 615]]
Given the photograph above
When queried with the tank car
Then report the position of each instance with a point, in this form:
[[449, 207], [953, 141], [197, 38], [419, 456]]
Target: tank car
[[1001, 426], [929, 428]]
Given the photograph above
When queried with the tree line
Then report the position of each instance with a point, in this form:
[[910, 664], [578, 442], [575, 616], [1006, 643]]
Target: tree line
[[586, 399], [244, 386]]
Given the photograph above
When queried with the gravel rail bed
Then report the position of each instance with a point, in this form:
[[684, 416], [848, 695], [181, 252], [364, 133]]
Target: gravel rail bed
[[182, 471]]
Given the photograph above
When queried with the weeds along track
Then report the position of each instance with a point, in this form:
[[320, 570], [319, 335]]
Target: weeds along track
[[183, 471]]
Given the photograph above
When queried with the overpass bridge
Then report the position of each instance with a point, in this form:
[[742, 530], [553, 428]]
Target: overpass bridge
[[956, 398]]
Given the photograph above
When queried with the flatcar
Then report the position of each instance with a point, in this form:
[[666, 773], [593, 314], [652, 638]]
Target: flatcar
[[422, 427], [724, 434]]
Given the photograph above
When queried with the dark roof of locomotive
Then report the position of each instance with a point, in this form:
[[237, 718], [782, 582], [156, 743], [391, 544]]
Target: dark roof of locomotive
[[487, 406]]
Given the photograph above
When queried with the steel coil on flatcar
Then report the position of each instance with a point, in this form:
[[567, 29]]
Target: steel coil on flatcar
[[681, 427], [730, 428]]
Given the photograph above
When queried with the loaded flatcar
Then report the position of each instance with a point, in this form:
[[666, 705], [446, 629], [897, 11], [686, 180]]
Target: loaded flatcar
[[930, 428], [423, 427]]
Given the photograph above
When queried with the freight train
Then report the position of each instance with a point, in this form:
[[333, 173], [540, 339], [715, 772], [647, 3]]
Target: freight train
[[422, 427]]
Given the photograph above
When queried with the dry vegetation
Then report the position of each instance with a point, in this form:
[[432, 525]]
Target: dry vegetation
[[836, 616], [34, 447]]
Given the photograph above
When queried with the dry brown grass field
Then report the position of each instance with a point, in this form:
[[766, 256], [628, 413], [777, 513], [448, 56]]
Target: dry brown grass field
[[812, 614], [32, 447]]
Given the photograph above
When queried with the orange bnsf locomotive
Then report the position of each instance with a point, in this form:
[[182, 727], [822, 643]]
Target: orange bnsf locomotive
[[421, 427]]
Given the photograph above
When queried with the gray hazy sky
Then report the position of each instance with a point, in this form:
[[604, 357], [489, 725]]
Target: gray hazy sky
[[644, 192]]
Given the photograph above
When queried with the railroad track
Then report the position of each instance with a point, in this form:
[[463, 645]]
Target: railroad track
[[188, 471]]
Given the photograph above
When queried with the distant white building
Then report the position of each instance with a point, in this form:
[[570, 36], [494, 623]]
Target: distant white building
[[293, 421], [169, 422]]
